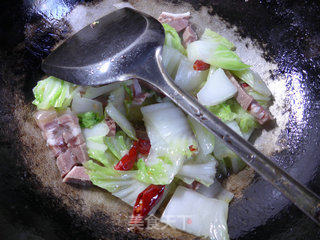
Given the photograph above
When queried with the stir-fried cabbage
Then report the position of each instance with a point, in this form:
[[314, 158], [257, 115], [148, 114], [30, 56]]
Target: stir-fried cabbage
[[187, 78], [121, 120], [171, 59], [122, 184], [83, 105], [94, 140], [231, 110], [172, 39], [204, 137], [118, 145], [254, 80], [53, 93], [170, 136], [93, 92], [228, 158], [215, 54], [223, 111], [201, 168], [210, 35], [89, 119], [245, 120], [196, 214], [217, 89], [215, 190], [117, 97]]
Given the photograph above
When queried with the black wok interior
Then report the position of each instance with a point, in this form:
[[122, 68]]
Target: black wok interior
[[289, 34]]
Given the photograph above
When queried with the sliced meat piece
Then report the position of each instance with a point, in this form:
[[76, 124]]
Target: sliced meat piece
[[80, 153], [247, 102], [65, 162], [139, 99], [44, 117], [53, 133], [63, 135], [243, 98], [57, 150], [77, 176], [112, 127], [178, 21], [262, 115], [73, 141], [70, 125], [189, 36]]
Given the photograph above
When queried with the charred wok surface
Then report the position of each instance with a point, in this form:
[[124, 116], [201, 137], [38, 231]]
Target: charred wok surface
[[289, 35]]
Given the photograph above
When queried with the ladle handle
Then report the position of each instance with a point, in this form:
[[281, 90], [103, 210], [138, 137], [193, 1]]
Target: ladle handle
[[300, 195]]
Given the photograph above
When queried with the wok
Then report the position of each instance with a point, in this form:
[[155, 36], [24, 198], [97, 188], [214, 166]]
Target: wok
[[282, 40]]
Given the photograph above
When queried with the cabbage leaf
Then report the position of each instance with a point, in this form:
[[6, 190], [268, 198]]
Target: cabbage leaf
[[89, 119], [210, 35], [53, 93], [172, 39]]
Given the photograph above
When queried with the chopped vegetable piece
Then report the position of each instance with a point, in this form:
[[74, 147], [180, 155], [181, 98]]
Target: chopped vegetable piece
[[122, 184], [204, 137], [128, 91], [215, 54], [93, 92], [248, 103], [202, 172], [201, 167], [117, 98], [127, 161], [217, 89], [121, 120], [154, 173], [99, 130], [217, 38], [89, 119], [253, 80], [187, 78], [200, 65], [119, 145], [53, 93], [172, 39], [223, 111], [201, 50], [83, 105], [202, 216], [146, 200], [245, 120], [215, 191], [227, 59], [231, 161], [171, 59], [170, 136]]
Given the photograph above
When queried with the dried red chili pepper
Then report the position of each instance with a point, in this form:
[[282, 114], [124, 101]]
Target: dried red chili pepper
[[244, 85], [127, 161], [144, 146], [146, 200], [192, 148], [200, 65]]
